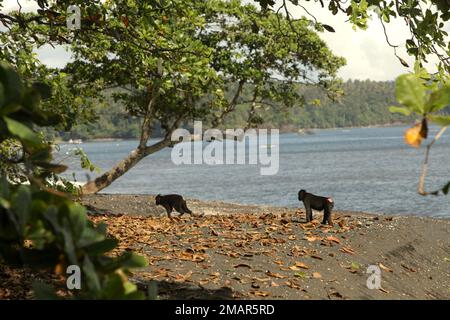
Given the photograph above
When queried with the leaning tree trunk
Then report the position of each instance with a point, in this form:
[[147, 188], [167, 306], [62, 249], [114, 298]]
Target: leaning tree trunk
[[115, 172], [122, 167]]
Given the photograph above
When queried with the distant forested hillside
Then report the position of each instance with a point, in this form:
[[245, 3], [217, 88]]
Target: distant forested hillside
[[364, 103]]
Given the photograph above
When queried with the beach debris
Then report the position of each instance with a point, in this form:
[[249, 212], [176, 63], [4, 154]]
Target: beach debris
[[347, 250], [300, 274], [382, 266], [334, 294], [408, 268], [275, 275], [299, 264], [260, 293]]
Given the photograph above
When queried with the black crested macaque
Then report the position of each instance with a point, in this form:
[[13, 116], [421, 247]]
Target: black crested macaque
[[313, 202], [173, 201]]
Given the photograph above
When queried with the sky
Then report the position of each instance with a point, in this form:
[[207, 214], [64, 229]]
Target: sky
[[366, 51]]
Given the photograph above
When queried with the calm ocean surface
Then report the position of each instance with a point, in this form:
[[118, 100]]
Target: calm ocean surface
[[364, 169]]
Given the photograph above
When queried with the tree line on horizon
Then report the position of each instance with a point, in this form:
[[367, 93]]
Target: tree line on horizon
[[363, 103]]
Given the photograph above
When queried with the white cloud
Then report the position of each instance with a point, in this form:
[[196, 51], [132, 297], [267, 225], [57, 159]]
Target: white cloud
[[56, 57], [27, 5], [367, 53]]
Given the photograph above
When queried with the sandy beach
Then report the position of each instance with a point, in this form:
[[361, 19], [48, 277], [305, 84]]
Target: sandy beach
[[253, 252], [258, 252]]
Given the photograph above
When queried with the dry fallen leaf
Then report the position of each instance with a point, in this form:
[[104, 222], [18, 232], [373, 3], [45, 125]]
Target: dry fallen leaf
[[292, 284], [383, 290], [260, 293], [347, 250], [414, 135], [333, 239], [385, 268], [301, 265], [311, 238], [273, 284], [316, 275], [275, 275], [408, 268]]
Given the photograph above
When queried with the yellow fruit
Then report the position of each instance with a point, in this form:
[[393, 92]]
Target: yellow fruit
[[413, 136]]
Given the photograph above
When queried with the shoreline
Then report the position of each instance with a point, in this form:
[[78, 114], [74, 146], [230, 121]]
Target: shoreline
[[261, 252], [292, 131], [143, 204]]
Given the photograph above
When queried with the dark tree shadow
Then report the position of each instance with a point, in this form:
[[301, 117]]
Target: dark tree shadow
[[168, 290]]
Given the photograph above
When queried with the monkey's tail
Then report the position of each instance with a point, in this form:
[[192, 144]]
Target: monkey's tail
[[185, 208]]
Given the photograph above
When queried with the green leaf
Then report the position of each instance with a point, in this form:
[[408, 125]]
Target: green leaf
[[152, 290], [101, 247], [91, 277], [401, 110], [21, 206], [439, 99], [355, 266], [328, 28], [22, 131], [10, 80], [131, 261], [43, 291], [411, 93], [300, 274], [440, 120]]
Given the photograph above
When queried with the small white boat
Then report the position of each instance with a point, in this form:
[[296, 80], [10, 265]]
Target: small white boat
[[268, 146], [75, 141]]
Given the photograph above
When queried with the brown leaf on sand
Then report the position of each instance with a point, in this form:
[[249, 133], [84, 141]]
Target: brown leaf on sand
[[262, 279], [383, 290], [273, 284], [316, 275], [335, 294], [233, 254], [408, 268], [197, 258], [183, 278], [311, 238], [347, 250], [260, 293], [385, 268], [309, 225], [242, 265], [275, 275], [299, 264], [333, 239], [316, 257], [292, 284]]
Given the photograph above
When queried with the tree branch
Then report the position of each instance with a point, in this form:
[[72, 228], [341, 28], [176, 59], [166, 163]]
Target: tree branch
[[421, 186]]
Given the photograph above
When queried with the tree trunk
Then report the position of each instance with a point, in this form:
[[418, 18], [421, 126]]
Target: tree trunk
[[122, 167]]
